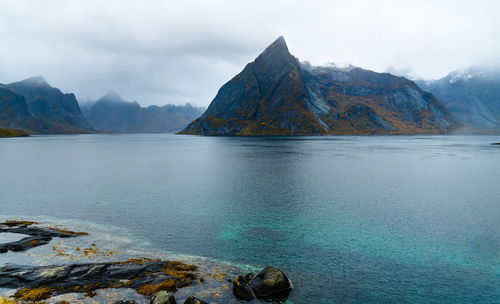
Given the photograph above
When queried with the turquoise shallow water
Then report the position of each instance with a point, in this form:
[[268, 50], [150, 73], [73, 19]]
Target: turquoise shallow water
[[384, 219]]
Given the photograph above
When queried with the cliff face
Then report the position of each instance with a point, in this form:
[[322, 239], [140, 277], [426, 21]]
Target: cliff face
[[277, 95], [15, 114]]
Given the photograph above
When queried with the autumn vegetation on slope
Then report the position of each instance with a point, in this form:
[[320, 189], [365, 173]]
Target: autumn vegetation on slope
[[12, 133]]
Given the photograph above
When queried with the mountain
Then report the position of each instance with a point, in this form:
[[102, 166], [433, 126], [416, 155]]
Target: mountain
[[112, 114], [277, 95], [33, 105], [472, 95], [15, 114]]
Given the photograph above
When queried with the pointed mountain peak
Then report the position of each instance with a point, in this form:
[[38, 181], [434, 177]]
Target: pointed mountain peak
[[277, 47], [275, 55], [280, 42]]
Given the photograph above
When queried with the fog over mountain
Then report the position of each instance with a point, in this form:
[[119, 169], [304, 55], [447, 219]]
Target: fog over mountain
[[161, 52], [472, 95], [112, 114]]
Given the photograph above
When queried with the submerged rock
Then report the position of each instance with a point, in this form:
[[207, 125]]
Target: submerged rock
[[147, 277], [271, 282], [193, 300], [163, 297], [496, 144], [36, 236]]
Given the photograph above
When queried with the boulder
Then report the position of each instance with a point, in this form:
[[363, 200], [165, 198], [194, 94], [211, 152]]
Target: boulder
[[271, 282], [193, 300], [163, 297], [126, 302], [249, 276], [241, 289]]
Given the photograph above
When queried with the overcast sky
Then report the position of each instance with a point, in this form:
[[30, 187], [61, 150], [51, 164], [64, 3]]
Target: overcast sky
[[159, 52]]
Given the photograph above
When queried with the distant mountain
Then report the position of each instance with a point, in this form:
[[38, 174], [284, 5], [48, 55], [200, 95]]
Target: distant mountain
[[112, 114], [34, 106], [278, 95], [472, 95]]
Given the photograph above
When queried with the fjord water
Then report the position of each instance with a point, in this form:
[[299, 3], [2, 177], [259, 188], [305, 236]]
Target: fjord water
[[375, 219]]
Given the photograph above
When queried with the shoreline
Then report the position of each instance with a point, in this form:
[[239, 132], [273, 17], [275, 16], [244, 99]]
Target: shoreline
[[132, 279], [8, 133]]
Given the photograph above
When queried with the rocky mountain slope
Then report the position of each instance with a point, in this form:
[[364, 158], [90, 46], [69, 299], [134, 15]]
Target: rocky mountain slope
[[472, 95], [36, 107], [114, 115], [278, 95]]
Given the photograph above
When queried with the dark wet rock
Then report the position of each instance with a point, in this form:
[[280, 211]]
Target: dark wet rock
[[147, 277], [163, 297], [271, 282], [36, 236], [249, 276], [496, 144], [193, 300], [241, 289]]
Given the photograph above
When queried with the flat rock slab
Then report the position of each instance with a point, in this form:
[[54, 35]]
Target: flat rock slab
[[145, 276], [35, 236]]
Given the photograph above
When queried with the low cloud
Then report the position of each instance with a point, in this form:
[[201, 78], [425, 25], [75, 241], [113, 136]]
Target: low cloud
[[159, 52]]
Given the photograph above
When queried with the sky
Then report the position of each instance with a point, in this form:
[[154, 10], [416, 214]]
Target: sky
[[160, 52]]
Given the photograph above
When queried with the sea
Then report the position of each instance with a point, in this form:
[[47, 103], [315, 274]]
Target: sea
[[349, 219]]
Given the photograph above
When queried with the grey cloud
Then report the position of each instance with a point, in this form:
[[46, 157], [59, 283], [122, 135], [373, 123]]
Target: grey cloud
[[159, 52]]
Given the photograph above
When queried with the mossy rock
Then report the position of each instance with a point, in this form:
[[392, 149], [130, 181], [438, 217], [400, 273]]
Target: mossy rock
[[271, 282], [163, 297]]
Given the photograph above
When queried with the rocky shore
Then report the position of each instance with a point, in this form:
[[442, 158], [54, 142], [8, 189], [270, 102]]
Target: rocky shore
[[147, 277], [36, 236], [154, 279]]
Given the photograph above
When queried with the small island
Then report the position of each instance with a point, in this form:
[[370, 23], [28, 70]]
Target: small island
[[12, 133]]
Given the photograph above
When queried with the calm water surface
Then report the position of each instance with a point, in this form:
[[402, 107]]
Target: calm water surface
[[390, 219]]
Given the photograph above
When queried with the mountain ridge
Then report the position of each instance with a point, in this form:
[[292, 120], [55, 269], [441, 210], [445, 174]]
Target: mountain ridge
[[45, 109], [472, 95], [277, 95], [112, 114]]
